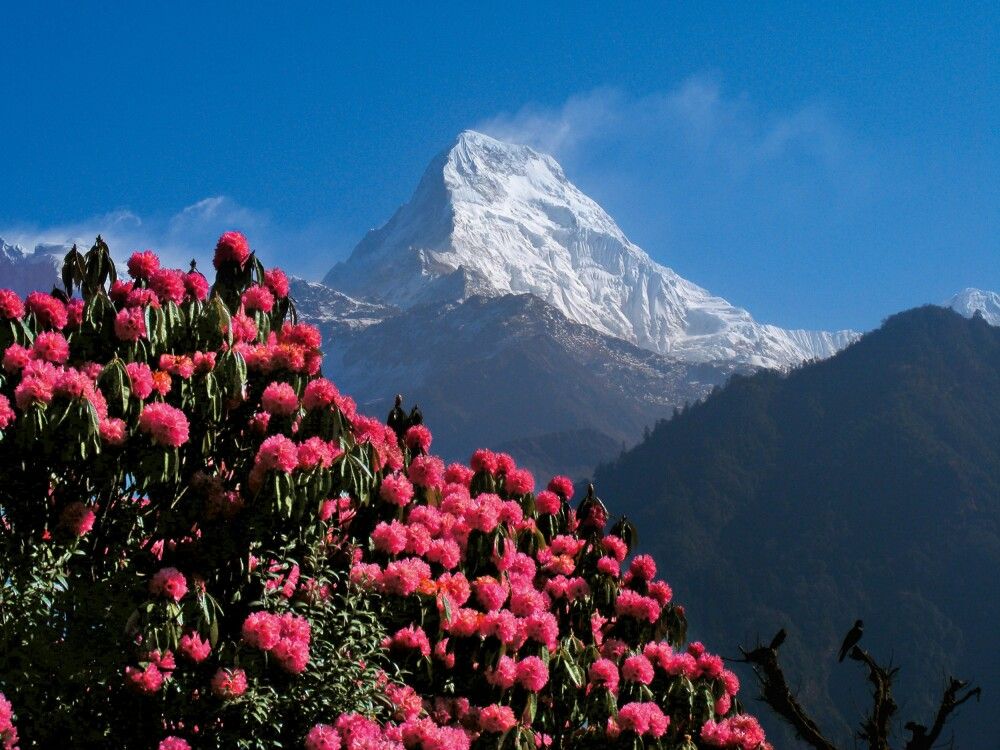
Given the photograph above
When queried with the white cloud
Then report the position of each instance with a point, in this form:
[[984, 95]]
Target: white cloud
[[697, 117], [190, 234]]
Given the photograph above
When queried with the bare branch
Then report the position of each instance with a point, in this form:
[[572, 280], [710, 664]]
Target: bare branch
[[774, 691], [957, 693], [877, 725]]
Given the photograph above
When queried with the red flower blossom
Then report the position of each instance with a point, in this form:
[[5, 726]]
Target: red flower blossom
[[169, 583], [232, 247], [142, 265], [229, 683], [165, 424]]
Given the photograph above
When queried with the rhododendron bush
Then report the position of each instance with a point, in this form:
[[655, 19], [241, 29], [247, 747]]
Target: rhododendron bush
[[205, 545]]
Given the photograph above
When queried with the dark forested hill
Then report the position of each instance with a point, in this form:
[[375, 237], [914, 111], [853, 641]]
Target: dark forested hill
[[866, 485]]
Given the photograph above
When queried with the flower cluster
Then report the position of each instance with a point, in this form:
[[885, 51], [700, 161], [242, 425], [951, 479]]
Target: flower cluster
[[286, 637], [235, 511], [8, 732]]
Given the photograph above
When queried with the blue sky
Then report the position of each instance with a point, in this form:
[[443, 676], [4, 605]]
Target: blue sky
[[820, 166]]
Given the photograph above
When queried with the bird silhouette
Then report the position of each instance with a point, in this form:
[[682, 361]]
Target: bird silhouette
[[852, 638], [416, 417], [778, 639], [397, 418]]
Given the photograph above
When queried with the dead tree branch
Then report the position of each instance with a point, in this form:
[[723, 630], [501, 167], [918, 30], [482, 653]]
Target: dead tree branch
[[877, 725], [957, 693], [776, 693]]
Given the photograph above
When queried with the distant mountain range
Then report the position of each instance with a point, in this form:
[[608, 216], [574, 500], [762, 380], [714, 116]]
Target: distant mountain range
[[866, 485], [27, 271]]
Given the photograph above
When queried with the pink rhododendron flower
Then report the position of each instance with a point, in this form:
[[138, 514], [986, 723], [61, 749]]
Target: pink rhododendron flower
[[141, 379], [148, 680], [168, 285], [427, 472], [323, 737], [403, 577], [130, 324], [410, 638], [165, 424], [258, 297], [661, 592], [173, 743], [169, 583], [48, 311], [244, 328], [484, 461], [741, 731], [548, 502], [143, 264], [396, 489], [7, 415], [278, 453], [196, 286], [458, 474], [7, 732], [292, 655], [277, 282], [232, 247], [532, 673], [609, 566], [51, 346], [643, 567], [262, 630], [194, 647], [562, 486], [177, 364], [643, 719], [637, 668], [113, 430], [229, 683], [16, 357], [279, 398], [631, 604], [11, 306], [504, 674], [604, 673], [389, 537], [319, 393], [77, 518], [496, 719], [74, 313], [161, 382], [519, 482], [418, 438], [316, 452]]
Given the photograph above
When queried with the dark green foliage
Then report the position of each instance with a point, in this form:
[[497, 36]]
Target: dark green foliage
[[867, 486]]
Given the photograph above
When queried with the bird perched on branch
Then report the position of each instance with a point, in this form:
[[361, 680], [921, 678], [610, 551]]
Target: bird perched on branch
[[416, 417], [852, 638], [397, 420]]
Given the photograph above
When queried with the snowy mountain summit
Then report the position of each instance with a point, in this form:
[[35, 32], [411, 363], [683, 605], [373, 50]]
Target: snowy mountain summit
[[970, 301], [492, 218], [27, 271]]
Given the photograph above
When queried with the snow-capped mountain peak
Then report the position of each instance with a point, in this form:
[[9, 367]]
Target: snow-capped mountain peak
[[495, 218], [970, 301], [28, 271]]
